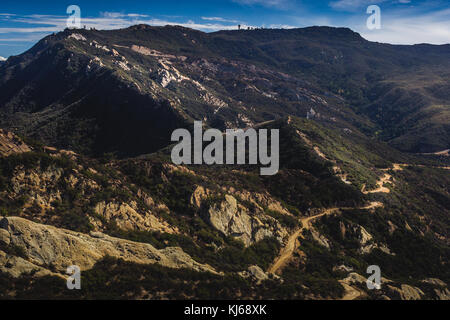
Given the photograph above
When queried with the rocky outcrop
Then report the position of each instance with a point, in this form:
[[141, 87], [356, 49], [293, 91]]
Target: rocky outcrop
[[40, 186], [256, 274], [198, 196], [367, 242], [440, 288], [259, 200], [233, 219], [343, 268], [407, 292], [11, 144], [48, 248], [127, 217], [320, 238]]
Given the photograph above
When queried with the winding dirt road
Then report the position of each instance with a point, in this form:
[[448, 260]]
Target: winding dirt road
[[305, 224], [288, 250], [380, 185]]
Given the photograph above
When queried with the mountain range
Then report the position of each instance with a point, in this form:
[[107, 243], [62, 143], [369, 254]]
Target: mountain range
[[110, 91], [86, 176]]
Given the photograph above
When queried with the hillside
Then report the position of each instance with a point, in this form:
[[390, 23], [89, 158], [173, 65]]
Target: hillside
[[222, 229], [124, 91], [86, 176]]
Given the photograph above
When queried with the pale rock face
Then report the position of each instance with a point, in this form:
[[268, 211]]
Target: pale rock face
[[213, 100], [255, 273], [46, 246], [198, 196], [367, 243], [4, 238], [16, 266], [127, 217], [234, 220], [407, 292], [259, 200], [152, 52], [39, 185], [83, 184], [123, 65], [146, 198], [343, 268], [365, 236], [262, 234], [11, 144], [77, 36], [99, 46], [227, 219], [321, 239]]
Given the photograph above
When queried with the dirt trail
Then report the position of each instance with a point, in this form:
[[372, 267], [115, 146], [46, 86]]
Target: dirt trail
[[380, 185], [305, 224], [384, 179], [351, 293], [287, 251], [399, 166]]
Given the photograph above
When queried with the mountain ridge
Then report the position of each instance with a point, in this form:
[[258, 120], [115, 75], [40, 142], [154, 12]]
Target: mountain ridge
[[233, 78]]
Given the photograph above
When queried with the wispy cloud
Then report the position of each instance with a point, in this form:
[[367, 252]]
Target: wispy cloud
[[107, 14], [412, 27], [219, 19], [278, 4], [353, 5], [39, 24], [2, 58]]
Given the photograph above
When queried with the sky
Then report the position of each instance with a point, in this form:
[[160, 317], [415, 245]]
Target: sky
[[24, 22]]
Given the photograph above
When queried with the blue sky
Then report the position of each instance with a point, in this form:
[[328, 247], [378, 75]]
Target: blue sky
[[24, 22]]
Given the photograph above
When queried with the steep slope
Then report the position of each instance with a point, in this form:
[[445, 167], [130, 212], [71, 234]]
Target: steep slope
[[232, 219], [124, 91]]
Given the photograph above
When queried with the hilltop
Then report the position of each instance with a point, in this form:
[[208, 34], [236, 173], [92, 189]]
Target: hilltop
[[124, 91]]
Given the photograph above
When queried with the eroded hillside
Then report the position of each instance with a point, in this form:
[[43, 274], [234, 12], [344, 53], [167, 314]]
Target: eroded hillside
[[166, 231]]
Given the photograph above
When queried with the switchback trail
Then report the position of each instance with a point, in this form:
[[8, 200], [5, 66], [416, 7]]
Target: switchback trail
[[288, 250], [380, 185], [306, 223]]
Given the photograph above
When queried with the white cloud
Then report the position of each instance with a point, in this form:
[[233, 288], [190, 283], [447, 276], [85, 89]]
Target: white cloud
[[279, 4], [412, 28], [2, 59], [113, 15], [219, 19], [406, 26], [353, 5], [107, 21]]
